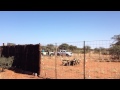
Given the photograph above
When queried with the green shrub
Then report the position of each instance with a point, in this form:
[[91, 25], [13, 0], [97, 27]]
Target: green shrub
[[6, 62]]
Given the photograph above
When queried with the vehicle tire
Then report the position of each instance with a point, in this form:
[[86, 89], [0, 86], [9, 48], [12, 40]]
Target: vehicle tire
[[58, 54], [67, 55]]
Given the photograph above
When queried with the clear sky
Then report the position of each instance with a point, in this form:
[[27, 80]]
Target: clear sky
[[33, 27]]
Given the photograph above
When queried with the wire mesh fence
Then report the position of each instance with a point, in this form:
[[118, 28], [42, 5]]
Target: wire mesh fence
[[98, 59], [82, 60], [100, 62], [66, 62]]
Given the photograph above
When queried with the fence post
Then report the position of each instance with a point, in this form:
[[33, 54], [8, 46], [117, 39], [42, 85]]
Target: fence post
[[84, 60], [39, 70], [100, 53], [3, 44], [55, 60]]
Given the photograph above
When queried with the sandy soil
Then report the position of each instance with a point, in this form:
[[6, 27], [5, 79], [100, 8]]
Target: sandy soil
[[93, 69], [9, 74]]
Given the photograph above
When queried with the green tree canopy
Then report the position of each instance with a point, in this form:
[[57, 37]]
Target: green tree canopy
[[50, 47], [72, 48], [116, 37], [115, 48], [64, 46]]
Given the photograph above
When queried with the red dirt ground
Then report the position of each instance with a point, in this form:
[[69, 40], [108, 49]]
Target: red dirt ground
[[93, 70], [9, 74]]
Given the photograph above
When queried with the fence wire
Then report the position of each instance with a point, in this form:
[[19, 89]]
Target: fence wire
[[98, 60], [55, 66]]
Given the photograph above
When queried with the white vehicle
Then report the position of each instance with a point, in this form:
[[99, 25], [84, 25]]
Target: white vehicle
[[51, 53], [44, 53], [64, 52], [47, 53]]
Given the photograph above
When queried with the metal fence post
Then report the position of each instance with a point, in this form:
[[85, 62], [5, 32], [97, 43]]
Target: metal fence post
[[39, 70], [3, 44], [84, 60], [56, 61]]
